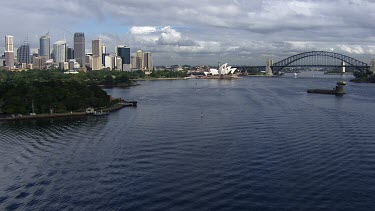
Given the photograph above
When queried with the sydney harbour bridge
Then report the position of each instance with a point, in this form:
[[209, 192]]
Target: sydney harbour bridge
[[312, 59]]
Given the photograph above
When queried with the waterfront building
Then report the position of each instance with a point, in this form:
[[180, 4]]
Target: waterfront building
[[23, 53], [59, 51], [97, 54], [147, 60], [79, 48], [223, 70], [139, 60], [45, 46], [9, 52], [123, 52]]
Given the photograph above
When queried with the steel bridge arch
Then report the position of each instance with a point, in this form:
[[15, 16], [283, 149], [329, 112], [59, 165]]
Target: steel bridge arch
[[359, 65]]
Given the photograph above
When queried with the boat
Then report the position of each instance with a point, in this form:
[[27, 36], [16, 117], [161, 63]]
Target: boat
[[90, 110], [100, 113], [128, 103]]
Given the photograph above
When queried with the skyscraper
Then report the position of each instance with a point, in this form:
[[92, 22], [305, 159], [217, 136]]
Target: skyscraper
[[139, 60], [59, 51], [23, 53], [147, 61], [97, 54], [45, 46], [104, 54], [70, 53], [123, 52], [133, 62], [9, 51], [79, 48]]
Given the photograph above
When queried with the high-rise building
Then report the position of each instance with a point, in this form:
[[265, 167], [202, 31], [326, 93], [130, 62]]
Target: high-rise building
[[69, 53], [133, 62], [9, 51], [104, 54], [123, 52], [118, 63], [39, 63], [23, 54], [79, 48], [147, 61], [139, 60], [97, 54], [9, 43], [108, 63], [59, 51], [45, 46]]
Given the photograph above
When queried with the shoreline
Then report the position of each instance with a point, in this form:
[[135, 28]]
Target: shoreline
[[157, 79], [113, 108]]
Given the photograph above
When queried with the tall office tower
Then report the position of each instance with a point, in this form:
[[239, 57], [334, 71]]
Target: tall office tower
[[69, 53], [123, 52], [147, 60], [108, 63], [139, 60], [59, 51], [79, 48], [133, 62], [23, 53], [118, 63], [9, 51], [97, 54], [104, 54], [45, 46]]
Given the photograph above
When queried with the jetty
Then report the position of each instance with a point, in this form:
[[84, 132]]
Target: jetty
[[87, 112], [339, 90]]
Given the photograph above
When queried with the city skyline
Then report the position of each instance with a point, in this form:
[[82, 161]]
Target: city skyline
[[238, 32]]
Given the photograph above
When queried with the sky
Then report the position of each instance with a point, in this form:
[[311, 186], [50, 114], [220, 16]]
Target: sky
[[200, 32]]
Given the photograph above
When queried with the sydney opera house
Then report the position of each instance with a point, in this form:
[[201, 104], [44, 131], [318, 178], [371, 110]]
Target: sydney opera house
[[222, 71]]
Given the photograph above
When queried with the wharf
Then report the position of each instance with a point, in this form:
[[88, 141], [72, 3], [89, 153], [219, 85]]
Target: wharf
[[115, 107]]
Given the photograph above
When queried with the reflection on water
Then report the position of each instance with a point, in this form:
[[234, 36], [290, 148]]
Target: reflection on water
[[263, 143]]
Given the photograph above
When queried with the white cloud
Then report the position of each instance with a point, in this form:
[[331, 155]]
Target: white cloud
[[243, 31], [169, 36], [142, 29], [352, 49]]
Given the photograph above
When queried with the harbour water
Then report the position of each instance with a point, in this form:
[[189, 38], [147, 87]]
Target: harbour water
[[252, 143]]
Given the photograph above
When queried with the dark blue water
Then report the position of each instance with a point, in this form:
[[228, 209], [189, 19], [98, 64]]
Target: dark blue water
[[263, 143]]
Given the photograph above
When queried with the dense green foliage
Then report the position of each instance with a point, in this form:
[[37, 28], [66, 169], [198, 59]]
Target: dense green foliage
[[52, 89], [61, 96], [168, 74], [94, 77], [364, 77]]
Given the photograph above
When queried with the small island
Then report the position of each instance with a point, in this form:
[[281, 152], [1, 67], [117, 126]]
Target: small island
[[45, 94]]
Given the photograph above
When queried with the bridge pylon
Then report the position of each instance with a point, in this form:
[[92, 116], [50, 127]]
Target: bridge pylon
[[269, 65], [343, 70]]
